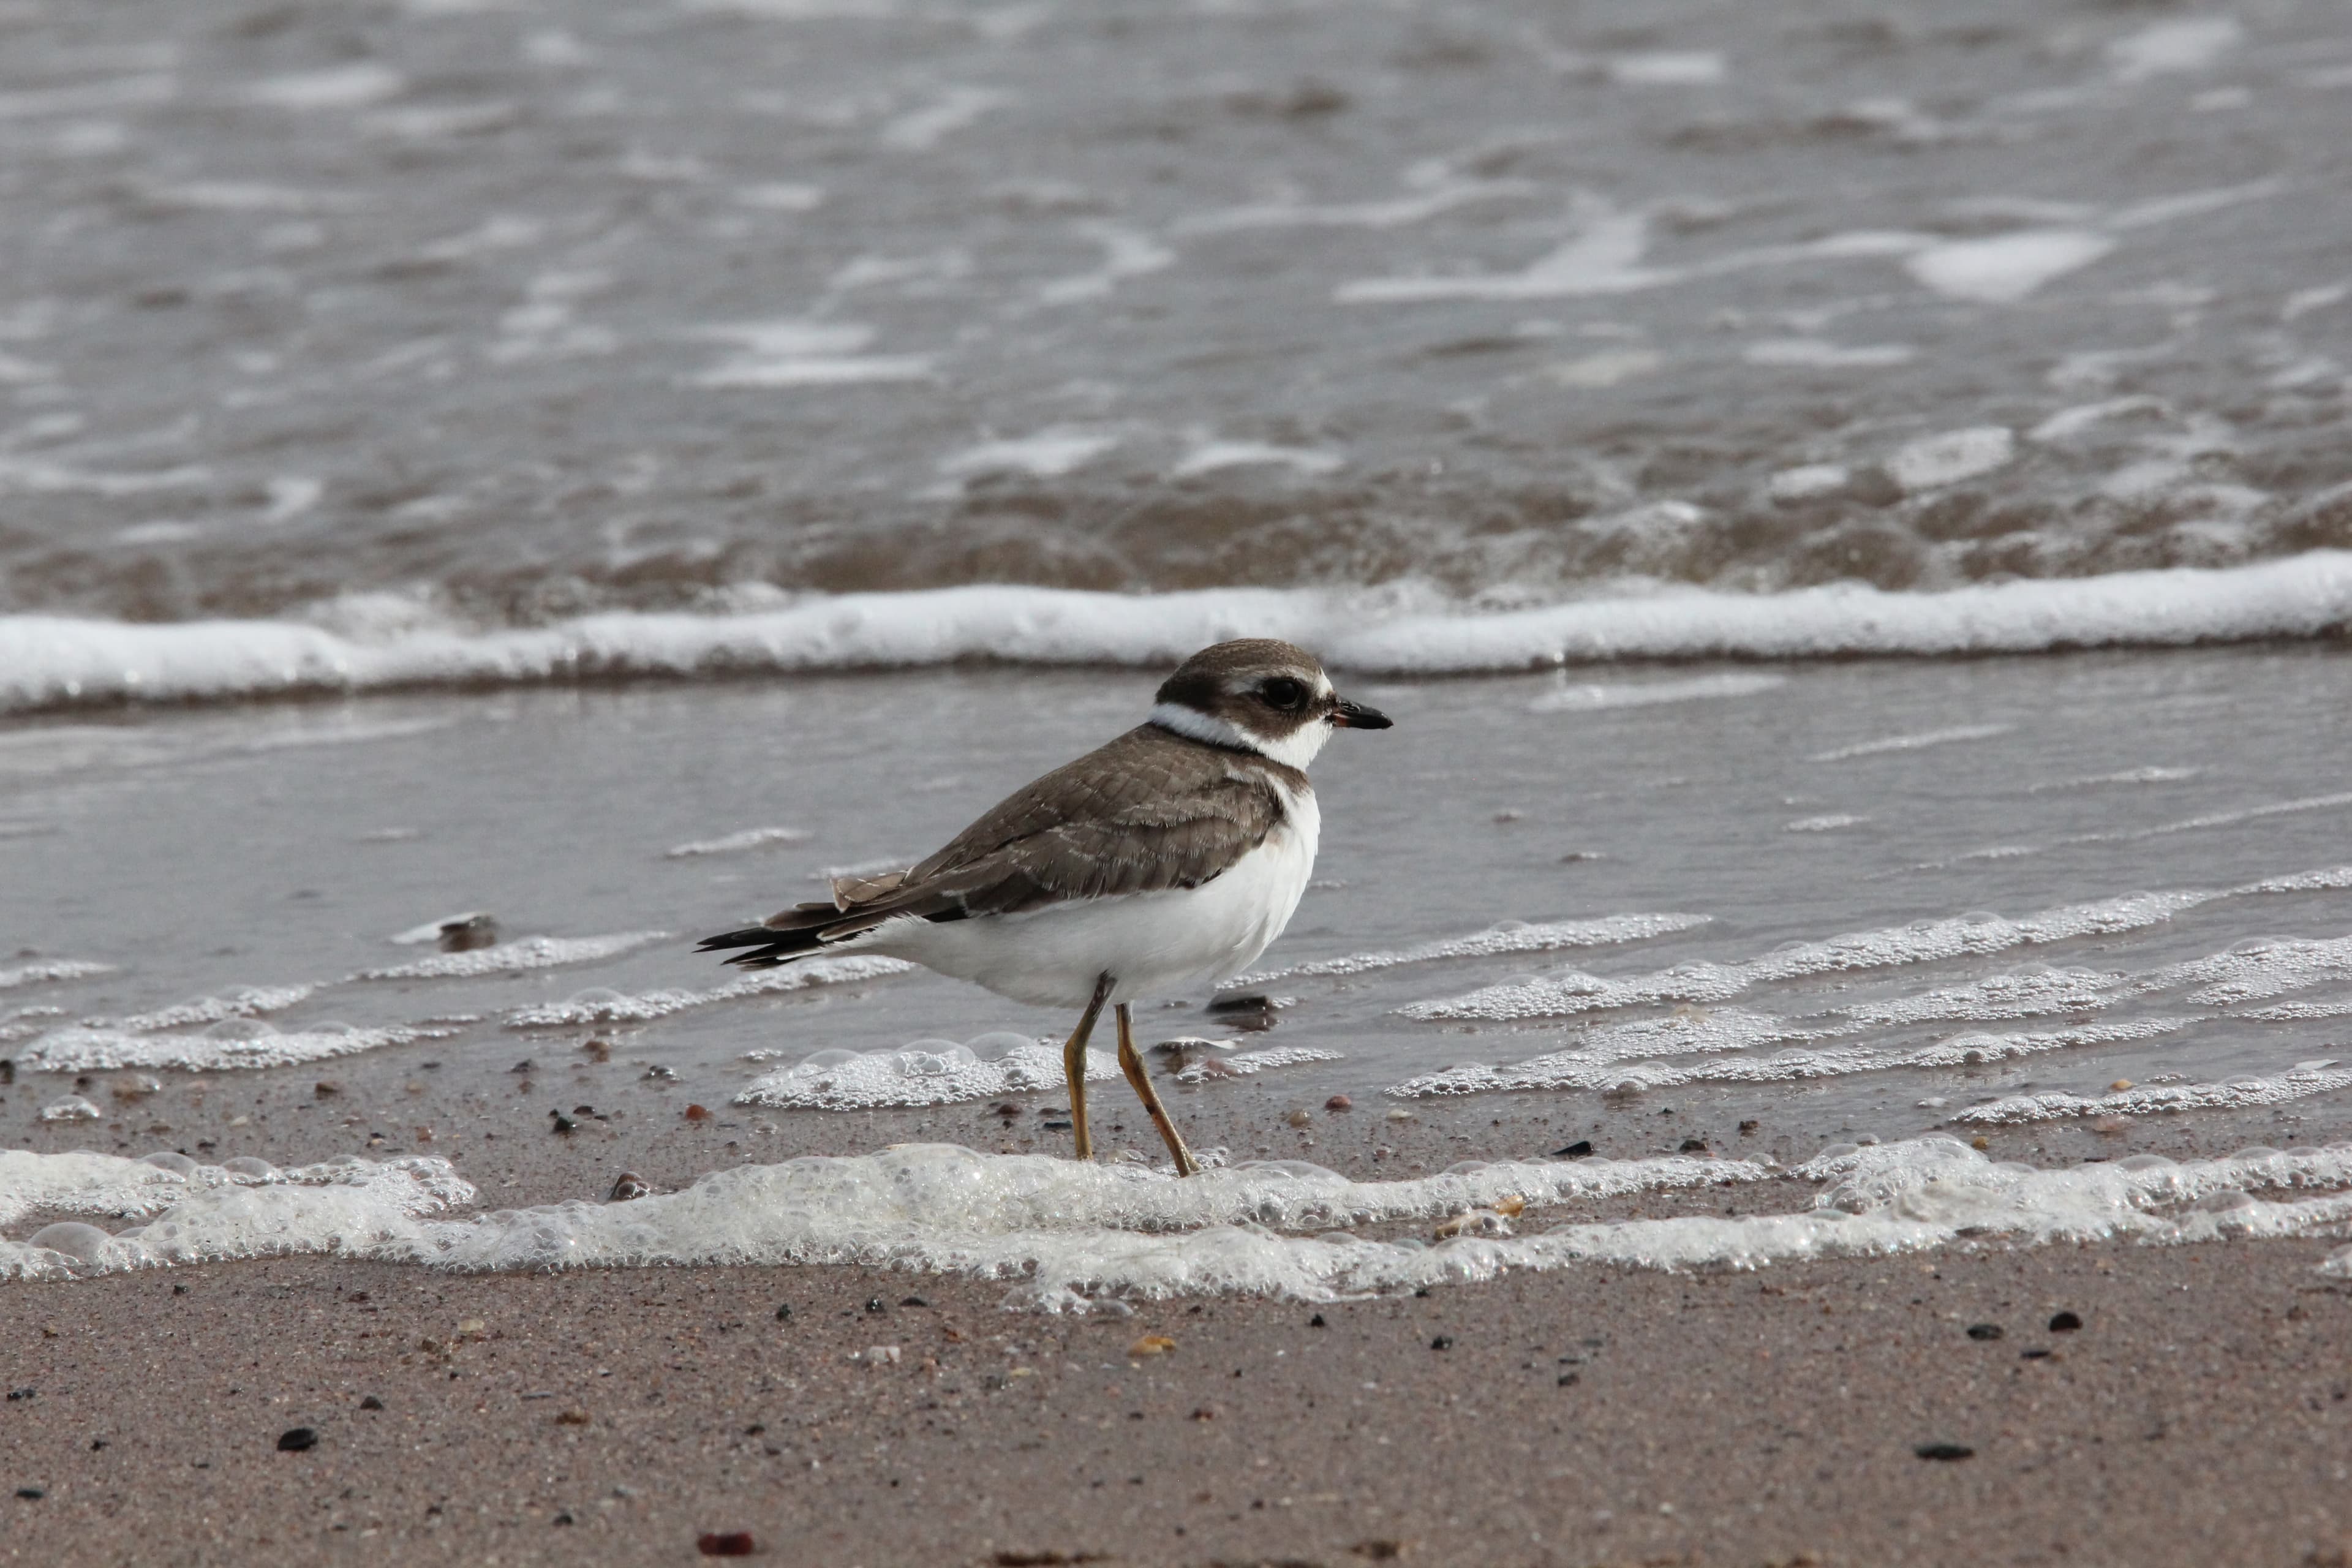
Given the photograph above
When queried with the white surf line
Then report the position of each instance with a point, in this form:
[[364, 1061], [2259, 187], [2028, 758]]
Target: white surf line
[[2135, 834], [1505, 937], [1701, 981], [947, 1074], [2301, 1081], [1913, 743], [83, 1048], [1566, 1070], [736, 843], [515, 957], [1923, 942], [57, 661], [241, 1002], [1075, 1237], [50, 971], [621, 1007]]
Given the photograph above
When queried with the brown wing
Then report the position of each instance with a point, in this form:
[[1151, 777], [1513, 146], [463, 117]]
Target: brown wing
[[1149, 812]]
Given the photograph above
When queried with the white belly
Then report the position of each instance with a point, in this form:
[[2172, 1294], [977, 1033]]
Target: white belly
[[1152, 945]]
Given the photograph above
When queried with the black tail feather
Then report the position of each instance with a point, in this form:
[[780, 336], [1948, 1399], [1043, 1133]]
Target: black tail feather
[[769, 945]]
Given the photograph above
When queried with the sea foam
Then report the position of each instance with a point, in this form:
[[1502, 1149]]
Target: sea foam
[[1070, 1236], [47, 661]]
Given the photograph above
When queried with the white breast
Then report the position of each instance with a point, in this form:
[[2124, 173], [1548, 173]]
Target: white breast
[[1154, 944]]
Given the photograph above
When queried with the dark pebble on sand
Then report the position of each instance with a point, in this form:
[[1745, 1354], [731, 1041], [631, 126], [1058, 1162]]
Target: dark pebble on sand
[[1441, 1342], [1567, 1379], [1694, 1146], [522, 1067], [325, 1090], [1578, 1150], [1751, 1125], [698, 1113], [874, 1304], [371, 1403], [627, 1185], [1986, 1331], [97, 1444], [561, 1518], [784, 1313], [31, 1494], [1339, 1102], [2064, 1323], [16, 1394], [727, 1543], [1058, 1126], [1317, 1322], [560, 1123], [1945, 1451], [912, 1301], [296, 1439], [2035, 1354]]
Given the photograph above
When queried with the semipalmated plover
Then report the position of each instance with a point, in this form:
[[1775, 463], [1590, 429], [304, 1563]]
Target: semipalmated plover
[[1166, 861]]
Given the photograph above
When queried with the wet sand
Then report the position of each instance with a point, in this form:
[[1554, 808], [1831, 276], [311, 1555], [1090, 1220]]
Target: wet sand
[[2200, 1416]]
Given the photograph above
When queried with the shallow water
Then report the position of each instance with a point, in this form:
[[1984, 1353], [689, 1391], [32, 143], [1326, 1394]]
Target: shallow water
[[1869, 900]]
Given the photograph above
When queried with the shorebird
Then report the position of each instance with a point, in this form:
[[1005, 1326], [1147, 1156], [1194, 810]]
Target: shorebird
[[1165, 860]]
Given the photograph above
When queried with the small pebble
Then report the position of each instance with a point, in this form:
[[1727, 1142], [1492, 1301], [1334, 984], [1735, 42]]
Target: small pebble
[[31, 1494], [1339, 1102], [784, 1313], [1297, 1119], [521, 1068], [1980, 1142], [296, 1439], [912, 1301], [1399, 1113], [697, 1113], [1567, 1379], [727, 1543], [1578, 1150], [371, 1403], [1945, 1451], [596, 1050], [1317, 1322], [874, 1304], [1986, 1331], [2120, 1084], [1751, 1125], [2064, 1323], [325, 1090], [1151, 1344], [571, 1419], [1441, 1342], [561, 1123], [629, 1184], [1694, 1146]]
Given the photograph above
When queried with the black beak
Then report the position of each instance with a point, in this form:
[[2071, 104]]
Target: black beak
[[1347, 715]]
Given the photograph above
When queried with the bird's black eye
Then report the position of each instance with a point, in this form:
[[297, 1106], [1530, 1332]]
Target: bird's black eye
[[1283, 693]]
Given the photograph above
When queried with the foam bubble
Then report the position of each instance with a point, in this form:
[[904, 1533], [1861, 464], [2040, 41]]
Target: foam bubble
[[243, 1002], [70, 1108], [620, 1007], [1604, 1072], [48, 661], [1242, 1064], [514, 957], [338, 86], [1507, 936], [1829, 824], [928, 1072]]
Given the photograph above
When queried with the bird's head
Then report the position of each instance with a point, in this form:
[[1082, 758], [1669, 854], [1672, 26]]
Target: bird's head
[[1262, 696]]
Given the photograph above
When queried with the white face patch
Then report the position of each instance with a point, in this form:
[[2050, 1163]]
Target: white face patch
[[1295, 750]]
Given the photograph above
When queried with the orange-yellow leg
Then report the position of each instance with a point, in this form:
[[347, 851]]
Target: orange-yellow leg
[[1131, 1064], [1074, 1065]]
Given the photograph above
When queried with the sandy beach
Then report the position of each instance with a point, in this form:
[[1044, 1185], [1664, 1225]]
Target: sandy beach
[[2198, 1415]]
